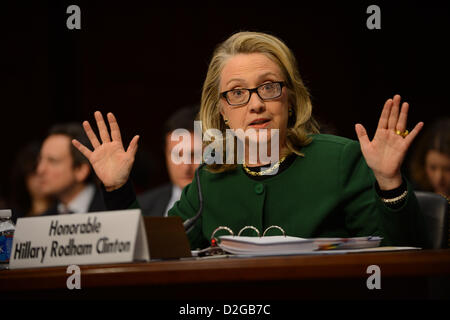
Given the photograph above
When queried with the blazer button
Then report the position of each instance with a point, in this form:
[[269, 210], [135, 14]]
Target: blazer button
[[259, 188]]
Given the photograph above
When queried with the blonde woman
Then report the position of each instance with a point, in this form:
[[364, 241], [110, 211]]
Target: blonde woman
[[321, 186]]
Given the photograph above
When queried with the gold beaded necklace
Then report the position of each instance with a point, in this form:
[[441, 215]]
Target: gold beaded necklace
[[264, 172]]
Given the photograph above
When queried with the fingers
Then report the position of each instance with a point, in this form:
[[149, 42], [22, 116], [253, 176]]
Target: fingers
[[132, 148], [91, 135], [413, 134], [393, 116], [85, 151], [362, 134], [104, 135], [383, 122], [401, 124], [115, 131]]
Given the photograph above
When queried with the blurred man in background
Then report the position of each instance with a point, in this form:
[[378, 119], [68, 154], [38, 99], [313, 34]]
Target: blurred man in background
[[66, 174], [158, 201]]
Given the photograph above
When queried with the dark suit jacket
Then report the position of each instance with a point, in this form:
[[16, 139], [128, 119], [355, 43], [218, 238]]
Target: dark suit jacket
[[154, 202], [97, 204]]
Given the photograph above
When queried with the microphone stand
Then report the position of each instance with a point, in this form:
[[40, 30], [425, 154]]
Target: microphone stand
[[189, 224]]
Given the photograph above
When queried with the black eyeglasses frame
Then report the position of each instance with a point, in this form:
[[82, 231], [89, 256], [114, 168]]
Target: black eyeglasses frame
[[224, 94]]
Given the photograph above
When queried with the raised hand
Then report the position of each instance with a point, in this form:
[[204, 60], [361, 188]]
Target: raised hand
[[110, 161], [386, 152]]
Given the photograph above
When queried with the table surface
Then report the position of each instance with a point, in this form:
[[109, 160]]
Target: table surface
[[224, 269], [318, 274]]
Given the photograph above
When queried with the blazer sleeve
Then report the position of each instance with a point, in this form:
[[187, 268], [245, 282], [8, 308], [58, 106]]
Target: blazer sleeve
[[122, 198], [125, 198], [366, 214], [187, 207]]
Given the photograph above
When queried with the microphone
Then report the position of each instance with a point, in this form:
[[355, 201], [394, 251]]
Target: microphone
[[190, 223]]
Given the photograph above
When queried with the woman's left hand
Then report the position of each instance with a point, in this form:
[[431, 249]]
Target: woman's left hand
[[385, 153]]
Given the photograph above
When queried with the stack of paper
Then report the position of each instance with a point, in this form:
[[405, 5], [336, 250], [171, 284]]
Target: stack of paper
[[281, 245], [266, 245]]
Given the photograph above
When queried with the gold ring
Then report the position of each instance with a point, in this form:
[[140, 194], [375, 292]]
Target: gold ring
[[403, 134]]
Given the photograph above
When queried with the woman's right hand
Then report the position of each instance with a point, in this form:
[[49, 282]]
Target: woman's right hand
[[110, 161]]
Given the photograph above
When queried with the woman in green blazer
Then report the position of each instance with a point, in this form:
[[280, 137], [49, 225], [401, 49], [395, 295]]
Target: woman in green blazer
[[319, 185]]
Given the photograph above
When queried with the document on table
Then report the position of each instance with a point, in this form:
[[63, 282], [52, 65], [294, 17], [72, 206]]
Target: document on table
[[267, 245], [285, 245]]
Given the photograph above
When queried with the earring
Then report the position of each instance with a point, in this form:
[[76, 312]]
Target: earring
[[290, 112], [226, 121]]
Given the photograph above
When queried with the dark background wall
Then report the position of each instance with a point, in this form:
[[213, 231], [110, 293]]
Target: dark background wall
[[143, 61]]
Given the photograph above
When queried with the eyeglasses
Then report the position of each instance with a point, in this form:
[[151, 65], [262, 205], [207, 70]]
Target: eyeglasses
[[266, 91]]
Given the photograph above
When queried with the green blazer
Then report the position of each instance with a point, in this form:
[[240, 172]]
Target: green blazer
[[330, 192]]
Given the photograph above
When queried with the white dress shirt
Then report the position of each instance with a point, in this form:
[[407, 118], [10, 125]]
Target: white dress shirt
[[81, 203], [176, 195]]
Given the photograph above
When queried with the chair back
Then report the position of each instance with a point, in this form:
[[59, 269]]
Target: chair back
[[436, 211]]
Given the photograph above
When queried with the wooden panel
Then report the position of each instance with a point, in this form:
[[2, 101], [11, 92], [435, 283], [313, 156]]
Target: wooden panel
[[403, 274]]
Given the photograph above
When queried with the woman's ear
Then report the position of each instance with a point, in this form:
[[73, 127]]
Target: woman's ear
[[221, 111], [224, 117]]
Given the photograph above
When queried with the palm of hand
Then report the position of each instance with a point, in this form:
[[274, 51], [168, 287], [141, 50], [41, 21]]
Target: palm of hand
[[385, 153], [110, 161]]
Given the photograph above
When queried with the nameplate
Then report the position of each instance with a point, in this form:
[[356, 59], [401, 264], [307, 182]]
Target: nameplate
[[88, 238]]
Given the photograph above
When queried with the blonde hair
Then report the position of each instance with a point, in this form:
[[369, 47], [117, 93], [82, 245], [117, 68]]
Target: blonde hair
[[299, 100]]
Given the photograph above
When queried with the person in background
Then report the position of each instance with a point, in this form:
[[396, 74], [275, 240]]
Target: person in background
[[26, 198], [158, 201], [66, 175], [430, 162]]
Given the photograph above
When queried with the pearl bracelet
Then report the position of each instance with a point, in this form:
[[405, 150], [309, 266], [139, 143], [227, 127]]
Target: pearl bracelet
[[396, 199]]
